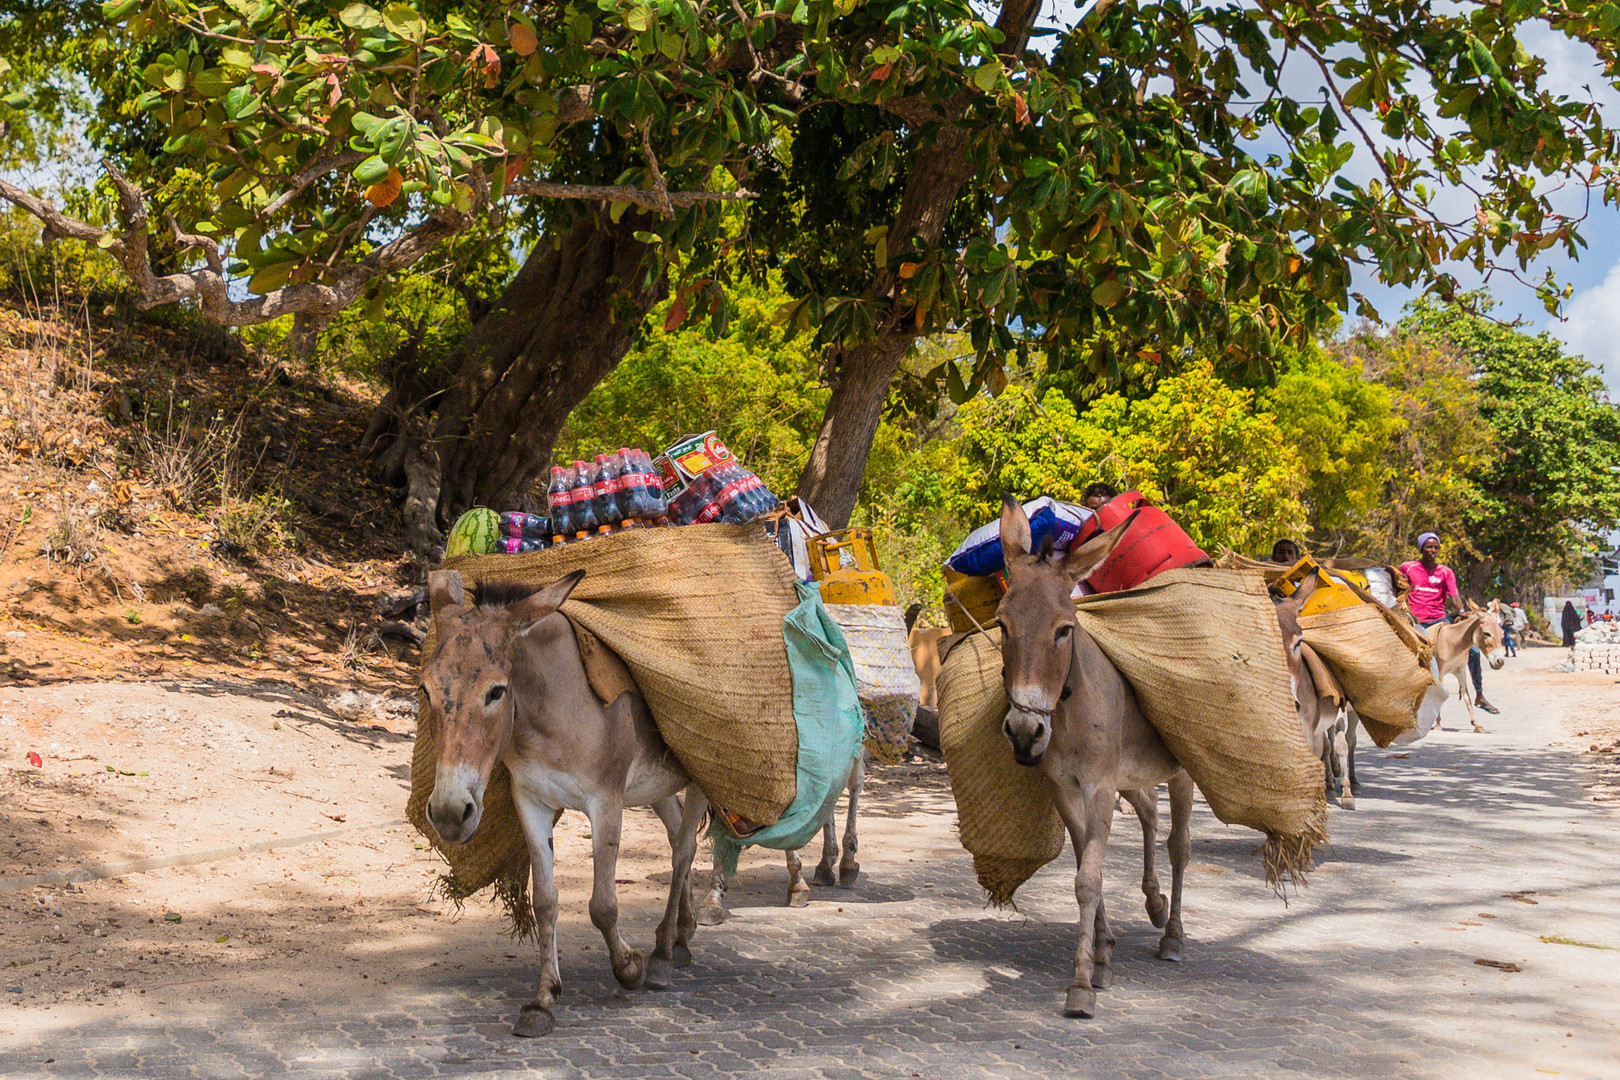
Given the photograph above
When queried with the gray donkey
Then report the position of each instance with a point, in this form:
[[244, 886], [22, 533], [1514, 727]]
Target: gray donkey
[[1073, 716], [506, 683]]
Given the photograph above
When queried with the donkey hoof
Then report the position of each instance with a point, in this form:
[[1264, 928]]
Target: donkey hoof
[[1170, 949], [1081, 1003], [1347, 802], [1158, 910], [682, 955], [823, 875], [849, 875], [660, 973], [631, 974], [711, 915], [799, 897], [1102, 977], [534, 1021]]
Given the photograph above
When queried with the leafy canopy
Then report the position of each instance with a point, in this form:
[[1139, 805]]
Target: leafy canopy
[[1167, 175]]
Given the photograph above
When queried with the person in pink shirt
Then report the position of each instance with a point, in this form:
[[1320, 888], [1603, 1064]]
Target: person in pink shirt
[[1433, 583]]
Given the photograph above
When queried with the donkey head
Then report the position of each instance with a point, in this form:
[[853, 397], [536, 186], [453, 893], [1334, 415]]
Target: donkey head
[[1487, 636], [469, 696], [1038, 627]]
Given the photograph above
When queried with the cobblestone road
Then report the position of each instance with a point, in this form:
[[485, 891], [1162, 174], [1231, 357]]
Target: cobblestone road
[[1464, 847]]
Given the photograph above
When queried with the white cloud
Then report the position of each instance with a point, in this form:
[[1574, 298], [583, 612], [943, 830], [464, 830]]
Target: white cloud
[[1592, 328]]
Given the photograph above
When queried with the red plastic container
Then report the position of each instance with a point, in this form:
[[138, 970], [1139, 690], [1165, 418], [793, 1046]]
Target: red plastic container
[[1152, 544]]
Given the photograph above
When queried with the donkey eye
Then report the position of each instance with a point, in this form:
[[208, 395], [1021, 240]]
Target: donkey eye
[[495, 694], [1062, 634]]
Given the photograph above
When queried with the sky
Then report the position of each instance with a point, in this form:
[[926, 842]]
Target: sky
[[1589, 322]]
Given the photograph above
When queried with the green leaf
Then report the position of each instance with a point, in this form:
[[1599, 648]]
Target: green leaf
[[638, 18], [403, 21], [18, 99], [271, 277], [986, 76], [1107, 293], [212, 83], [371, 170], [241, 102], [360, 17], [116, 10], [393, 137]]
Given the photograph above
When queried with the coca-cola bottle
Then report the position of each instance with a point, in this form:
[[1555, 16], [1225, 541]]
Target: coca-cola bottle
[[605, 480], [585, 522], [518, 545], [519, 524], [632, 488], [559, 500]]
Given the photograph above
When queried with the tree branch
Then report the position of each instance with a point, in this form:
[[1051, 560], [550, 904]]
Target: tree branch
[[308, 175], [642, 197]]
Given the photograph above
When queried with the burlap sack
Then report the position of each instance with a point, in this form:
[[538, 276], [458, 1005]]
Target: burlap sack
[[1203, 651], [1384, 677], [1004, 815], [696, 614]]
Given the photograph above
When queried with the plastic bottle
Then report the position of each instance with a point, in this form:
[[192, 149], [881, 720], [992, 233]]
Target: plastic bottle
[[584, 520], [605, 481], [632, 489], [516, 523], [517, 545], [654, 506], [559, 499]]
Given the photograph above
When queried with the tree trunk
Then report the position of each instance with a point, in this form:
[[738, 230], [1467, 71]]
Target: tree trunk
[[482, 429], [831, 480]]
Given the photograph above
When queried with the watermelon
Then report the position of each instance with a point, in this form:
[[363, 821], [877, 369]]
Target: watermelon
[[474, 533]]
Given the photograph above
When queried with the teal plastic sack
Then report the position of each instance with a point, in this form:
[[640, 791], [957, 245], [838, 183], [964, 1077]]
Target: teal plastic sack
[[828, 715]]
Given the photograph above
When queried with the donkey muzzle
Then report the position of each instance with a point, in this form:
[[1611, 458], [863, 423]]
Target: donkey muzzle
[[456, 805], [1029, 733]]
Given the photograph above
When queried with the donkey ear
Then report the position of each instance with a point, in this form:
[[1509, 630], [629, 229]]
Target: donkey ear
[[1305, 589], [1083, 561], [444, 590], [531, 610], [1015, 539]]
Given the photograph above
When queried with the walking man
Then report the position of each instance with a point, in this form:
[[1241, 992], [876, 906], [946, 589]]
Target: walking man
[[1433, 583]]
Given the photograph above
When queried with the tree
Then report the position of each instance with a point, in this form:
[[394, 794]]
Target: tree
[[1197, 446], [1550, 492], [1422, 475], [918, 169]]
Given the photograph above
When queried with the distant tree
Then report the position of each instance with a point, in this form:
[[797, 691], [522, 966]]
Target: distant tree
[[1549, 492], [1201, 448], [1437, 439]]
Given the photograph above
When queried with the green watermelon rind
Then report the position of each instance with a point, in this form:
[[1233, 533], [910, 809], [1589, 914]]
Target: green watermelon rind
[[474, 533]]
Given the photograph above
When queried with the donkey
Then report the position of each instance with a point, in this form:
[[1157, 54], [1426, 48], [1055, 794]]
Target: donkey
[[1479, 629], [1075, 718], [1324, 716], [506, 683]]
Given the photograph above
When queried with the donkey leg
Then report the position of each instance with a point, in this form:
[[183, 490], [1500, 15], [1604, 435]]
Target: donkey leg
[[607, 823], [1102, 950], [712, 911], [536, 1018], [849, 871], [1145, 801], [1181, 800], [1088, 817], [798, 891], [1351, 722], [829, 851], [683, 846], [1341, 757], [696, 807]]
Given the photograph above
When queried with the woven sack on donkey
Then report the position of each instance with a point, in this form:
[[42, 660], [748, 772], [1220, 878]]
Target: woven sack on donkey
[[885, 675], [1203, 652], [1380, 673], [1005, 816], [696, 613]]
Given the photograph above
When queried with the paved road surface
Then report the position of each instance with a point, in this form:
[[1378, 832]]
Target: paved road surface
[[1464, 847]]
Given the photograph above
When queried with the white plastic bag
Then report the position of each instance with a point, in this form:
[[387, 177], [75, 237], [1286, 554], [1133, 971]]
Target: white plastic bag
[[885, 676]]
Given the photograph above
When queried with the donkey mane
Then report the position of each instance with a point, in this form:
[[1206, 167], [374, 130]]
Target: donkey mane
[[501, 594]]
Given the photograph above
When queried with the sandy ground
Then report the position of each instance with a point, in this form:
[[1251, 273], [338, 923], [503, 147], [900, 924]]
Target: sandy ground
[[143, 771], [343, 907]]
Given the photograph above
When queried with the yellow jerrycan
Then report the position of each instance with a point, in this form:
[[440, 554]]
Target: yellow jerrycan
[[862, 583], [1329, 594]]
